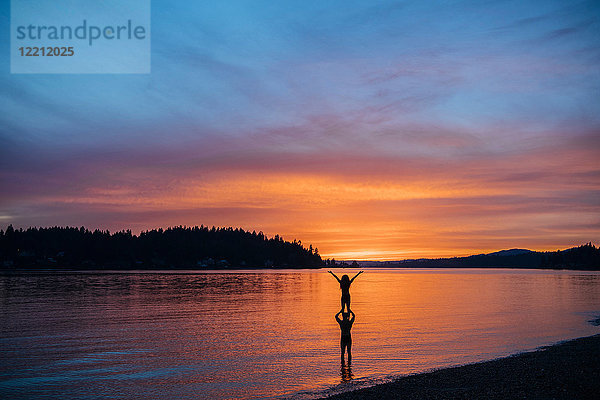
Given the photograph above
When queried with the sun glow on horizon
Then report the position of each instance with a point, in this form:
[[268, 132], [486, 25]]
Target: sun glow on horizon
[[347, 218]]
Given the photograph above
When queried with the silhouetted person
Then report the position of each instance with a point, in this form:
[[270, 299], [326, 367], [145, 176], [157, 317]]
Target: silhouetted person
[[345, 283], [346, 337]]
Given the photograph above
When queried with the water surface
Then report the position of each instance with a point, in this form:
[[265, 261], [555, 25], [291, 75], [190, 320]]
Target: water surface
[[263, 334]]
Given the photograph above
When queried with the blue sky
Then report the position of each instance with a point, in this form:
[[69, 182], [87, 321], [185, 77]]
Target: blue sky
[[460, 88]]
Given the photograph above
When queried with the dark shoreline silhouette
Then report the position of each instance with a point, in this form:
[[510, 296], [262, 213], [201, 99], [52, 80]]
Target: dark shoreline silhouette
[[585, 257], [185, 248], [173, 248]]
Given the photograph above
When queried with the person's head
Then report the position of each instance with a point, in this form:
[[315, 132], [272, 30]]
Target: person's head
[[345, 278], [345, 315]]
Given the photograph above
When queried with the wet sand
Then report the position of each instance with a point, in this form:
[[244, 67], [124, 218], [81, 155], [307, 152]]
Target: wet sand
[[569, 370]]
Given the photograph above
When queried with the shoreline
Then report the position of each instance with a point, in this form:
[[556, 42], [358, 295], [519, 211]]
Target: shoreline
[[100, 269], [566, 370]]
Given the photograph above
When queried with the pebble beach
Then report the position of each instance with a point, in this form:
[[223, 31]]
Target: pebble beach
[[568, 370]]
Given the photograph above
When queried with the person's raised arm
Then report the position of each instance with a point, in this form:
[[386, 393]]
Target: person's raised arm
[[335, 276], [356, 276], [337, 318]]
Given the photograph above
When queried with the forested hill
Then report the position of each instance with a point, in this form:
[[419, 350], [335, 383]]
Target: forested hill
[[178, 247], [585, 257]]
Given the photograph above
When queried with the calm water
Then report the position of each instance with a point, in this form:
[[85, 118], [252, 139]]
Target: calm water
[[269, 334]]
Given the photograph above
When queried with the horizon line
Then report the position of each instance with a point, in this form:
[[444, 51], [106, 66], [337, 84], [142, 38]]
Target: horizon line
[[324, 257]]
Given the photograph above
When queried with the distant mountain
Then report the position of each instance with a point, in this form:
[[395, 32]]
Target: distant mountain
[[585, 257], [511, 252]]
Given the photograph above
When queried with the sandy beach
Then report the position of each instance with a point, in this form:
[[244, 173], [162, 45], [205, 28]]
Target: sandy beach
[[568, 370]]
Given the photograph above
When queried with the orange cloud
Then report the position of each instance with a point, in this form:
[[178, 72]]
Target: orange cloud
[[355, 206]]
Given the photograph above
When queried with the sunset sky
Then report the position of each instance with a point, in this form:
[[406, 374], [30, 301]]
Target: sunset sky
[[370, 129]]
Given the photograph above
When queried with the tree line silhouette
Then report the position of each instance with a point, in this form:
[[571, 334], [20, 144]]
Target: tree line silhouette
[[585, 257], [216, 248], [177, 247]]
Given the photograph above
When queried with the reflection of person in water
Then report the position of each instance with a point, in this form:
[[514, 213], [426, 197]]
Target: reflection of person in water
[[346, 337], [345, 283], [346, 372]]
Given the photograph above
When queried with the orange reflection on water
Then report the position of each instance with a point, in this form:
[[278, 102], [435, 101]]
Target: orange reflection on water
[[248, 334]]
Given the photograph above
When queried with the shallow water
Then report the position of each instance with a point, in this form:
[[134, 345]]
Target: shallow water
[[262, 334]]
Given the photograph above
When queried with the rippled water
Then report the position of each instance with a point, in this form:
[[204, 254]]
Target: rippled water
[[269, 334]]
